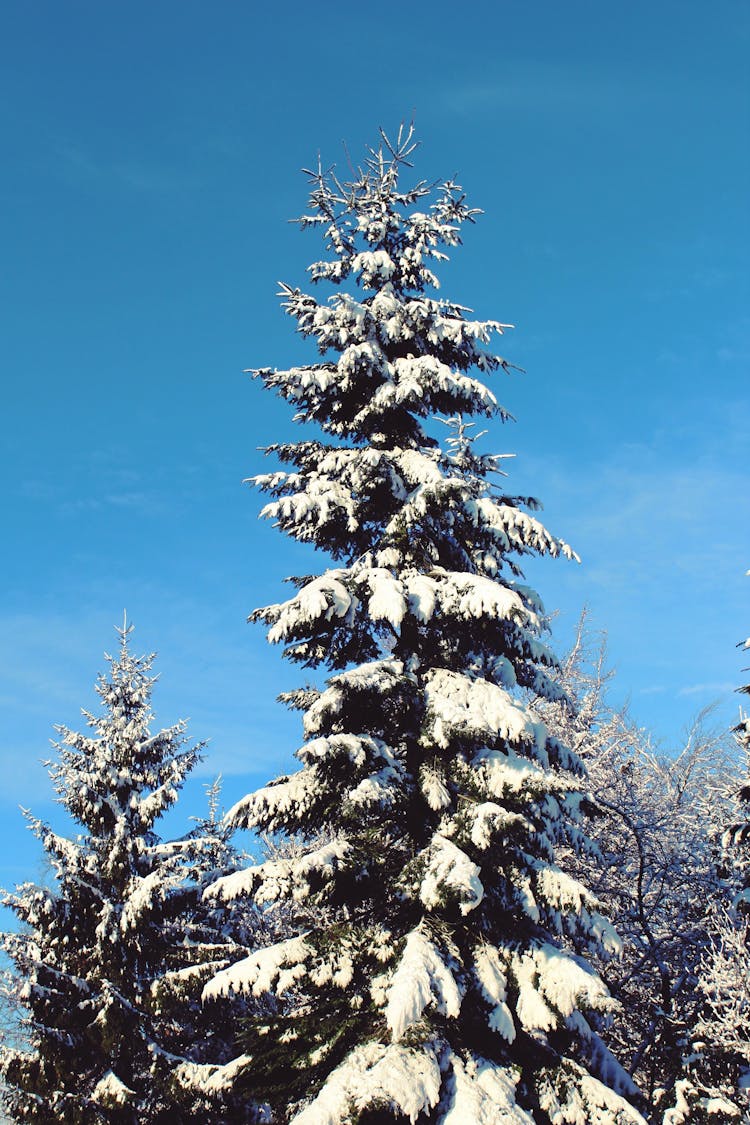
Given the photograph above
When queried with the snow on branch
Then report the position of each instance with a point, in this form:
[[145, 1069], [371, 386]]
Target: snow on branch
[[421, 978]]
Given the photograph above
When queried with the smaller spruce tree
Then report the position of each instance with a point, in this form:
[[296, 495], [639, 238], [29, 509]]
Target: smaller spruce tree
[[95, 961]]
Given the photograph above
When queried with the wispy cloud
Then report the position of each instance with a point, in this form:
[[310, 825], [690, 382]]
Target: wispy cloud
[[643, 517], [733, 354], [528, 86], [77, 163], [99, 482], [150, 503], [531, 85], [660, 525], [711, 687]]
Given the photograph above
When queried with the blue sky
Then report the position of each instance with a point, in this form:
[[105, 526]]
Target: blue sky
[[151, 156]]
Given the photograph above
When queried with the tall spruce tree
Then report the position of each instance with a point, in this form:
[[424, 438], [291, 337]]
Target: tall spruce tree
[[438, 983], [101, 963]]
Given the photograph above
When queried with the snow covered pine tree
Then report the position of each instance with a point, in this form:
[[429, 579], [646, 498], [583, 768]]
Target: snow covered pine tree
[[659, 876], [111, 1022], [438, 986], [714, 1088], [739, 834]]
